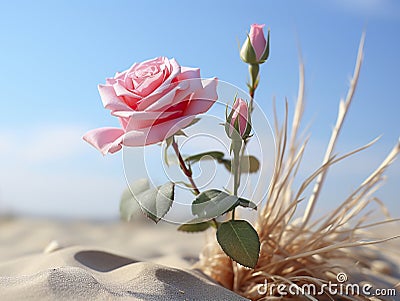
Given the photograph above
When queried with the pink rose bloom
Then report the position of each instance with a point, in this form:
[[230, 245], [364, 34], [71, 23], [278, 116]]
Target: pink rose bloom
[[257, 40], [239, 119], [152, 100]]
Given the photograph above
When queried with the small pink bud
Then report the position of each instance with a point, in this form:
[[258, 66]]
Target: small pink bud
[[238, 119], [255, 49], [257, 40]]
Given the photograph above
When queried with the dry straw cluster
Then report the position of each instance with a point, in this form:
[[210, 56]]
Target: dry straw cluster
[[310, 249]]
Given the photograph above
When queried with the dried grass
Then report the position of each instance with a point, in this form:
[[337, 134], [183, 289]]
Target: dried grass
[[309, 250]]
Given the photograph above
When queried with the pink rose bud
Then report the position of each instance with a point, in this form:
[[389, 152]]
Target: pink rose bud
[[255, 49], [238, 120]]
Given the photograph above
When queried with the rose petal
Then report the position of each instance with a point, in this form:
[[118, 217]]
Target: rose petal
[[148, 84], [118, 76], [166, 85], [192, 75], [240, 111], [106, 140], [110, 100], [187, 82], [202, 100], [141, 120], [142, 115], [121, 90], [158, 61], [155, 133], [178, 93], [257, 39], [124, 122], [189, 73]]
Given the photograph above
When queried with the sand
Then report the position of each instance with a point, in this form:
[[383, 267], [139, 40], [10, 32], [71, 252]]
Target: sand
[[65, 260]]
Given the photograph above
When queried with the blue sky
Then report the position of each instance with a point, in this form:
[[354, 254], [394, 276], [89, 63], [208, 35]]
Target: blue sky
[[54, 53]]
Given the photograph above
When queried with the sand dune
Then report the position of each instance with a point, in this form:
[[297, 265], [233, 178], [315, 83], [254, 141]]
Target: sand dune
[[84, 274], [85, 260], [61, 272]]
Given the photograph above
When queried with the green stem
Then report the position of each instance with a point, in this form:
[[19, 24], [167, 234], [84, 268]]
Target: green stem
[[214, 223], [239, 151], [252, 92], [235, 185], [236, 175], [236, 171], [186, 170], [188, 173]]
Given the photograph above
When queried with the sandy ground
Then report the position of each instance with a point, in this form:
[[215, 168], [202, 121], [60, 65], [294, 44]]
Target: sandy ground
[[80, 260], [87, 260]]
